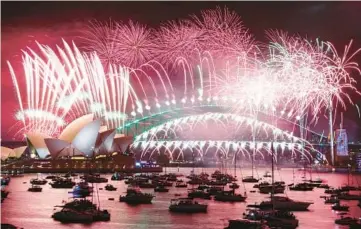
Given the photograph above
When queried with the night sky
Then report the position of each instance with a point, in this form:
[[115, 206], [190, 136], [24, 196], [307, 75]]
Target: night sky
[[48, 22]]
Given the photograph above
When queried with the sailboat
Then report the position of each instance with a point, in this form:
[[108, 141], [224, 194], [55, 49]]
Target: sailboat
[[284, 203], [279, 215], [234, 185], [349, 187], [81, 210], [251, 179]]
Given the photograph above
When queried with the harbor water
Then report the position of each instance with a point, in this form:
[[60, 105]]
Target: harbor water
[[33, 210]]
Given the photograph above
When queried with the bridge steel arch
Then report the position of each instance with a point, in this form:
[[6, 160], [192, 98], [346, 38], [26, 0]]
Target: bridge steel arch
[[136, 126]]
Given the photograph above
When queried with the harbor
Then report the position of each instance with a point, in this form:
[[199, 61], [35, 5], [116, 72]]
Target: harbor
[[40, 206]]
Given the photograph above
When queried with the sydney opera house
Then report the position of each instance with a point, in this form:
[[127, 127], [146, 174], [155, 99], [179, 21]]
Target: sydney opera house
[[82, 145]]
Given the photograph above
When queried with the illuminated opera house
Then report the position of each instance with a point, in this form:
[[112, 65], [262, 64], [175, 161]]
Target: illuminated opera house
[[82, 145]]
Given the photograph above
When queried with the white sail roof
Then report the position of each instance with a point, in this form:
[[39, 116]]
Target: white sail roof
[[85, 140], [120, 144], [20, 150], [60, 148], [71, 130], [7, 152], [105, 142], [37, 139]]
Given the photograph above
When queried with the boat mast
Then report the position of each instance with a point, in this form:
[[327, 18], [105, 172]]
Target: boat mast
[[272, 192], [235, 163]]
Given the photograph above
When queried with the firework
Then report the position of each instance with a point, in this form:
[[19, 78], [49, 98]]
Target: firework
[[128, 44], [130, 71]]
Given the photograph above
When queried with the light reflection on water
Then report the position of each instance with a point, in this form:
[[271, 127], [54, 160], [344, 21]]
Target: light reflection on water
[[34, 210]]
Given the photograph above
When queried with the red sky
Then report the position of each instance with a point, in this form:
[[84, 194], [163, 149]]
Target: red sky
[[49, 22]]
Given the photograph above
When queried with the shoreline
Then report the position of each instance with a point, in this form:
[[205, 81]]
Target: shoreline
[[160, 170]]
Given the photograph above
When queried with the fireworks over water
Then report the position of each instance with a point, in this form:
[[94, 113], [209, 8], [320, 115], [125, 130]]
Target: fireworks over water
[[124, 70]]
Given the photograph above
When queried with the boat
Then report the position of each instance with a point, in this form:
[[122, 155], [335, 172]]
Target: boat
[[347, 188], [250, 179], [216, 173], [285, 204], [94, 178], [214, 190], [339, 207], [246, 224], [117, 176], [50, 177], [264, 183], [234, 186], [110, 187], [17, 173], [5, 180], [79, 205], [355, 226], [71, 216], [82, 189], [332, 200], [80, 211], [217, 182], [165, 183], [62, 183], [325, 186], [187, 205], [4, 194], [273, 218], [229, 196], [69, 174], [146, 185], [277, 188], [346, 221], [135, 196], [267, 174], [348, 196], [196, 193], [171, 177], [160, 188], [8, 226], [317, 181], [301, 187], [333, 191], [38, 181], [35, 188], [180, 184]]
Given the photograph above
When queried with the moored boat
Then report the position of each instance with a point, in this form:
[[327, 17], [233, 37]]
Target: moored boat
[[346, 221], [276, 189], [180, 184], [62, 183], [196, 193], [110, 187], [135, 196], [348, 196], [274, 218], [117, 176], [234, 186], [250, 179], [161, 189], [229, 196], [81, 211], [285, 204], [332, 200], [38, 181], [339, 207], [187, 205], [301, 187], [246, 224], [35, 188]]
